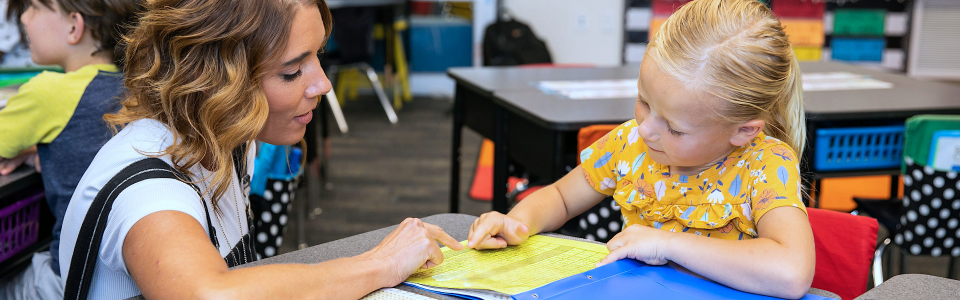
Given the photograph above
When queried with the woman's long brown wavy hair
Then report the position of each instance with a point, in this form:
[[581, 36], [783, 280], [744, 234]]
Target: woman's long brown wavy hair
[[198, 66]]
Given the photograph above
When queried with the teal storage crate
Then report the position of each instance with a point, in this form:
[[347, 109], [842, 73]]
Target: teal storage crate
[[858, 148], [857, 49], [858, 22], [438, 43]]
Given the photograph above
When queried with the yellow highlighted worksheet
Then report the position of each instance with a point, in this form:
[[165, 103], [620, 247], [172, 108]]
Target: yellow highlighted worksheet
[[515, 269]]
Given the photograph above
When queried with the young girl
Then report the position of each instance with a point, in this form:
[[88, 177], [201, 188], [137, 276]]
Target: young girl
[[707, 176], [205, 79]]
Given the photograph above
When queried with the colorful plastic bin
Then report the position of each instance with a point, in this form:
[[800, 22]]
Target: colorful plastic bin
[[19, 226], [859, 22], [858, 148], [858, 49], [799, 8]]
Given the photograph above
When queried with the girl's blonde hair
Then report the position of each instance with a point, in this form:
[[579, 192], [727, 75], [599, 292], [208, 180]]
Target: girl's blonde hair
[[198, 66], [736, 50]]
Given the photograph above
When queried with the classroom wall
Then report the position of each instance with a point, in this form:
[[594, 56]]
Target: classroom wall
[[576, 31]]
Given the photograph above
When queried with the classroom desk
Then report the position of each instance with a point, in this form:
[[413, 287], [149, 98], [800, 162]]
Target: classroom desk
[[544, 122], [334, 4], [856, 108], [457, 225], [21, 178], [538, 131], [914, 286]]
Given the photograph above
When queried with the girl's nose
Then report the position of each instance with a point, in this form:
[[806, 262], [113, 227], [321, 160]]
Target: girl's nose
[[647, 130]]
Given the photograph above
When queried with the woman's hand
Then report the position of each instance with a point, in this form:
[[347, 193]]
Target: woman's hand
[[643, 243], [494, 230], [411, 246], [7, 165]]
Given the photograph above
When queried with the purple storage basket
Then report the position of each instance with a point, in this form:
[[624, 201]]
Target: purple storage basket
[[19, 226]]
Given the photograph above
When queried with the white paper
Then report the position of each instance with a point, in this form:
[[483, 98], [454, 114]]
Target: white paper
[[946, 154], [836, 81], [591, 89], [394, 294], [480, 294]]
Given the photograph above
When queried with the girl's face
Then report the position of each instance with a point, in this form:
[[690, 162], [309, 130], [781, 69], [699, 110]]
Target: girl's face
[[677, 123], [293, 86], [47, 31]]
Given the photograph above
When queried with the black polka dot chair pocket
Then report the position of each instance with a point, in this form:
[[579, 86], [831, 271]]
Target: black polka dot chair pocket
[[600, 223], [271, 214], [275, 180], [930, 216]]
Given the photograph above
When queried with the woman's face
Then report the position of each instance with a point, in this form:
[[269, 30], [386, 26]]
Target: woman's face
[[294, 84]]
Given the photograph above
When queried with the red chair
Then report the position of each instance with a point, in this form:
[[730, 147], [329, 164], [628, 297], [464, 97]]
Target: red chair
[[845, 245]]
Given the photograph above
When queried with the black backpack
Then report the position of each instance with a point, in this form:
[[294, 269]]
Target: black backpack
[[510, 43]]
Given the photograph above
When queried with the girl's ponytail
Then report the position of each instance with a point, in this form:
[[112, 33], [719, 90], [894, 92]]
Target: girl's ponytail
[[788, 122]]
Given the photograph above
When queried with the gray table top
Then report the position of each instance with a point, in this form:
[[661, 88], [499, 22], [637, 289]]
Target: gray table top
[[908, 94], [515, 89], [457, 225], [914, 286], [491, 79], [333, 4], [20, 178]]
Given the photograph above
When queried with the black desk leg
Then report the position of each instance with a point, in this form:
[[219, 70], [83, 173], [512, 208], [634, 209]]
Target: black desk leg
[[500, 161], [894, 186], [817, 186], [324, 139], [455, 151]]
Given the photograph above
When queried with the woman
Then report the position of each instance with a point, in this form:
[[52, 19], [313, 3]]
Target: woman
[[206, 78]]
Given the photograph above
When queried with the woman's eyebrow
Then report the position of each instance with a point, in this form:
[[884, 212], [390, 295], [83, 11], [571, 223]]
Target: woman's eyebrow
[[296, 59]]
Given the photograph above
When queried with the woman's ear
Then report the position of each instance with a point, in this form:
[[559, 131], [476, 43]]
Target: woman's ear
[[76, 29], [746, 132]]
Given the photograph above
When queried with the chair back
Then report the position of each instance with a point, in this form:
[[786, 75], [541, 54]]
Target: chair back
[[604, 220], [931, 209], [587, 135], [844, 248]]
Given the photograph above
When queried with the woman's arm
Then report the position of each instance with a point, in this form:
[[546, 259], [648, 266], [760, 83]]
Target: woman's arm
[[544, 210], [169, 256], [779, 263]]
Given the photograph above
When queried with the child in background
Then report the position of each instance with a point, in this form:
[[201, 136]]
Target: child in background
[[707, 175], [62, 113], [13, 48]]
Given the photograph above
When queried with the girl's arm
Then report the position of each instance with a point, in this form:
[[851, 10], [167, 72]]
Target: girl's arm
[[779, 263], [169, 256], [544, 210]]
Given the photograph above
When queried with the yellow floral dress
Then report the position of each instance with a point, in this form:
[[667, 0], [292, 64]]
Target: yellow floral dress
[[724, 201]]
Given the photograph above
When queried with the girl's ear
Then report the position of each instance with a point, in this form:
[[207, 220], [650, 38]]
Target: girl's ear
[[76, 29], [746, 132]]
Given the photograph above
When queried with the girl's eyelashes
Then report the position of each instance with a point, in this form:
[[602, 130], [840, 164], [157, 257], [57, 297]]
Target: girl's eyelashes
[[291, 77], [674, 132], [642, 102], [669, 129]]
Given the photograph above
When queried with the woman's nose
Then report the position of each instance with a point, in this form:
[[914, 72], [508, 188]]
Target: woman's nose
[[320, 86]]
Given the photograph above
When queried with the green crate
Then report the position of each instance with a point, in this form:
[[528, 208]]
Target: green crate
[[858, 22]]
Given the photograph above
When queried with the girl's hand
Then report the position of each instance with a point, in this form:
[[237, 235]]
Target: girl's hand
[[639, 242], [494, 230], [413, 245]]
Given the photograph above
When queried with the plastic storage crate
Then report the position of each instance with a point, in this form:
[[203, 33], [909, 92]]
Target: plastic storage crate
[[858, 49], [858, 148], [804, 32], [812, 9], [666, 7], [19, 226], [859, 22]]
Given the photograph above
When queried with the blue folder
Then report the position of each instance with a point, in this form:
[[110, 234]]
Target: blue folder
[[628, 279]]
